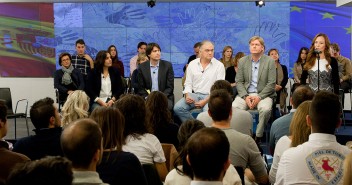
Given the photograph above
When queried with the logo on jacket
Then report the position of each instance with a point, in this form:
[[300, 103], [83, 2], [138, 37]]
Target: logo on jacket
[[326, 166]]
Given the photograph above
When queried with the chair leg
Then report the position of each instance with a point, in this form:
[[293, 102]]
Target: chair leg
[[27, 125], [15, 129]]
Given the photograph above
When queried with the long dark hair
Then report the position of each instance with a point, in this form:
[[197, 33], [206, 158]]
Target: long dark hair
[[158, 113], [299, 59], [100, 60], [311, 57], [116, 58]]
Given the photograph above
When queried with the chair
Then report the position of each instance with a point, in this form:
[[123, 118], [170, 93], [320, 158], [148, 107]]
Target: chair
[[151, 174], [58, 100], [5, 95], [171, 154]]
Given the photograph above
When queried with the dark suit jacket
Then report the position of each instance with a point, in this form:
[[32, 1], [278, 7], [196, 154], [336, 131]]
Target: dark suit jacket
[[77, 79], [165, 79], [94, 83], [266, 76]]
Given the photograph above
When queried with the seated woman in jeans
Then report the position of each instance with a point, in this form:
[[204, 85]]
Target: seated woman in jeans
[[104, 82]]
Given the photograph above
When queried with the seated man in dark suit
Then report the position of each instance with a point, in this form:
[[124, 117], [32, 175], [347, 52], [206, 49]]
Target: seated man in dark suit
[[156, 75], [46, 120]]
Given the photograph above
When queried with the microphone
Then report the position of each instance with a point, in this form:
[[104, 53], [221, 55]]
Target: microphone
[[202, 71], [316, 52]]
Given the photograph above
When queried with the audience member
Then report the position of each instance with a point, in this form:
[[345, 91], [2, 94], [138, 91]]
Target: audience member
[[255, 82], [244, 152], [320, 63], [281, 80], [82, 60], [50, 170], [156, 75], [347, 170], [201, 75], [227, 58], [105, 85], [159, 116], [8, 159], [76, 107], [134, 78], [67, 79], [133, 61], [280, 126], [231, 72], [299, 133], [194, 56], [117, 166], [81, 143], [241, 120], [320, 159], [345, 67], [208, 156], [298, 67], [115, 60], [46, 141], [137, 135], [182, 174]]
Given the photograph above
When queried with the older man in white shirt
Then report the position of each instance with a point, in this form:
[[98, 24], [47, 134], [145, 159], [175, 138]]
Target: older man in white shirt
[[201, 75]]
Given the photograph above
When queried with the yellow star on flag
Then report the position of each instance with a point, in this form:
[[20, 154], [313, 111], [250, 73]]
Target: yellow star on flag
[[296, 9], [349, 30], [328, 15]]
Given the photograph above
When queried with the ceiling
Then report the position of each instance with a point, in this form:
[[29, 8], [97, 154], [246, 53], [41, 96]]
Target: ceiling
[[338, 2]]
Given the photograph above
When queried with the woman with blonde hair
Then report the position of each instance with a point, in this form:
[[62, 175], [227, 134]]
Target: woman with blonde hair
[[227, 56], [231, 72], [75, 107], [299, 133]]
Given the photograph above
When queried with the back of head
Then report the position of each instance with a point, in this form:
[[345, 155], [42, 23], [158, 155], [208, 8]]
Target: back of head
[[134, 109], [157, 109], [80, 142], [41, 112], [325, 112], [186, 129], [220, 105], [112, 124], [75, 107], [302, 93], [46, 171], [222, 84], [207, 153], [299, 130]]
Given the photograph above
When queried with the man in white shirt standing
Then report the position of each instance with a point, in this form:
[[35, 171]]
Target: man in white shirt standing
[[320, 159], [141, 48], [201, 75]]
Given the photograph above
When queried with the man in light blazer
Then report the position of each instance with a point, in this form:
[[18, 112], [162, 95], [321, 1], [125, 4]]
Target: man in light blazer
[[256, 78], [156, 75]]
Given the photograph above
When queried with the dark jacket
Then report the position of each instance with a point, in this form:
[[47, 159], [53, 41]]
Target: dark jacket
[[165, 79], [45, 142], [94, 83], [77, 82]]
